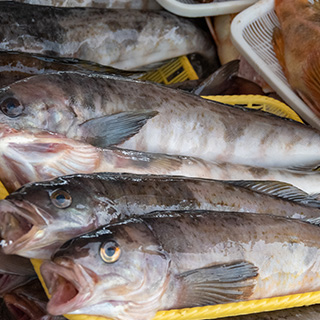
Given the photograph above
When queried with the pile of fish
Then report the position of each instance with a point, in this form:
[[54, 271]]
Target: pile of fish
[[140, 197]]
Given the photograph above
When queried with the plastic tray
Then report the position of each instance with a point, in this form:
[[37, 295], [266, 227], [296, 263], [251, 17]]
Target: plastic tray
[[251, 34], [193, 8]]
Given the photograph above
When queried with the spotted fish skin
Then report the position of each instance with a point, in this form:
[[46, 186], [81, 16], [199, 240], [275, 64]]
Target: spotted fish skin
[[122, 39], [76, 105]]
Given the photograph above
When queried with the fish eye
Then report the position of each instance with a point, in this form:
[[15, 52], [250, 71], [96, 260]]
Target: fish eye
[[11, 107], [110, 252], [61, 199]]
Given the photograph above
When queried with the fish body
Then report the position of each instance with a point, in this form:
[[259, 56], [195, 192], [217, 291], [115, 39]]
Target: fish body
[[171, 260], [32, 155], [124, 39], [168, 121], [15, 66], [299, 24], [39, 217], [112, 4]]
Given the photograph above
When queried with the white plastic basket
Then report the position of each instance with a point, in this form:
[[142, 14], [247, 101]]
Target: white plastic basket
[[251, 34], [193, 8]]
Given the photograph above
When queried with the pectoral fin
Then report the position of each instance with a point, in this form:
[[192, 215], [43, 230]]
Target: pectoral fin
[[115, 128], [281, 190], [218, 284], [278, 46]]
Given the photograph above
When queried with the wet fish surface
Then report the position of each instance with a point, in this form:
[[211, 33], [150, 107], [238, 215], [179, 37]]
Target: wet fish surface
[[122, 39], [39, 217], [19, 65], [170, 260], [299, 25], [153, 118], [113, 4], [33, 155]]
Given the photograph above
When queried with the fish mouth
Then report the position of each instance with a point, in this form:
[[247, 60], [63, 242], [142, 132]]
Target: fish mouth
[[22, 308], [18, 225], [69, 285]]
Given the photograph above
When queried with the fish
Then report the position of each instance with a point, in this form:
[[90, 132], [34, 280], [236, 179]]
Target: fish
[[29, 302], [14, 272], [38, 218], [4, 312], [173, 260], [306, 313], [124, 39], [153, 118], [299, 25], [16, 65], [113, 4], [36, 155]]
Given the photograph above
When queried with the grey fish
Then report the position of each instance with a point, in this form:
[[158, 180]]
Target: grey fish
[[124, 39], [33, 155], [173, 260], [114, 4], [19, 65], [131, 114], [36, 219]]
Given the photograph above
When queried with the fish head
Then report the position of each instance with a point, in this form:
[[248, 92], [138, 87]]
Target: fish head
[[39, 217], [119, 271], [35, 103], [36, 155]]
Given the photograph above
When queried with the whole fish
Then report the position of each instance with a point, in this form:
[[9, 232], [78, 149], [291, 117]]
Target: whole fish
[[14, 272], [124, 39], [305, 313], [110, 110], [36, 219], [29, 302], [299, 25], [170, 260], [114, 4], [19, 65], [32, 155]]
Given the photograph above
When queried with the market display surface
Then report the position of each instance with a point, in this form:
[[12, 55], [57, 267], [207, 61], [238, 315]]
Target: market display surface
[[148, 171]]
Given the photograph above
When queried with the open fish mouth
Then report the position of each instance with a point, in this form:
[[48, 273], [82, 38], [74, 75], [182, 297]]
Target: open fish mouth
[[68, 286], [18, 226]]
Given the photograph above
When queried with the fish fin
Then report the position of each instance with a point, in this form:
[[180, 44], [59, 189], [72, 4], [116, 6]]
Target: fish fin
[[218, 284], [115, 128], [314, 221], [281, 190], [310, 168], [278, 46], [215, 83], [157, 163], [311, 77]]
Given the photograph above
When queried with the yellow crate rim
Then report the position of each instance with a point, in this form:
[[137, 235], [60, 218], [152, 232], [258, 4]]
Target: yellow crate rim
[[263, 103]]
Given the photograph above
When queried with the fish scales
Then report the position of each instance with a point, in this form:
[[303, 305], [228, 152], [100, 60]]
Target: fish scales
[[119, 38], [185, 124], [172, 260]]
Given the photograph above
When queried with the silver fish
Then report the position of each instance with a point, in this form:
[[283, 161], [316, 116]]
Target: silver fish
[[124, 39], [36, 219], [33, 155], [131, 114], [170, 260], [113, 4]]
